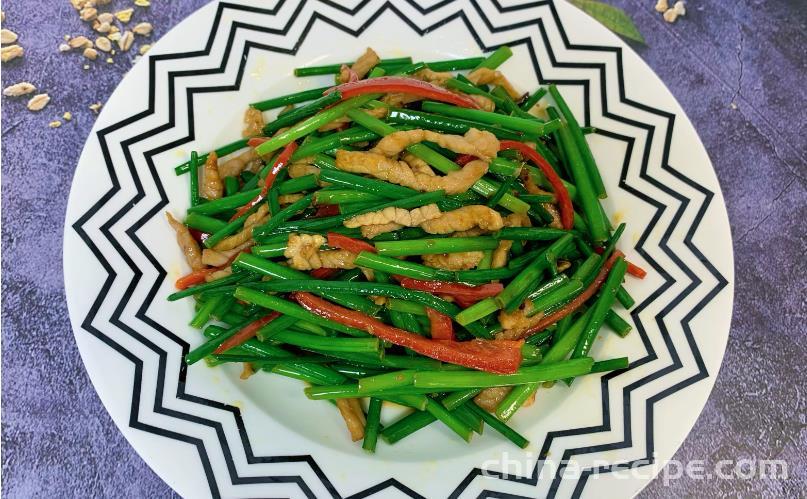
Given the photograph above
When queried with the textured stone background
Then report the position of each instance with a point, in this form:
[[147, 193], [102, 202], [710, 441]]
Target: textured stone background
[[57, 438]]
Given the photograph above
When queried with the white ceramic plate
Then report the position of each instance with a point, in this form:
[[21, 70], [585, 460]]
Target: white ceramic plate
[[206, 433]]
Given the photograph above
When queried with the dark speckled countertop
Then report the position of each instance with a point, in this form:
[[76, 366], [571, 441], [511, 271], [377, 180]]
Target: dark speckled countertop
[[736, 67]]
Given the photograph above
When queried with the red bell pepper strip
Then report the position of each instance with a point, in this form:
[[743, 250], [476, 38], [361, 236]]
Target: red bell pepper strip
[[326, 210], [282, 160], [459, 300], [634, 270], [245, 333], [199, 276], [562, 195], [440, 325], [348, 243], [194, 278], [496, 356], [464, 159], [398, 84], [578, 300], [323, 273], [198, 235], [256, 141], [454, 289]]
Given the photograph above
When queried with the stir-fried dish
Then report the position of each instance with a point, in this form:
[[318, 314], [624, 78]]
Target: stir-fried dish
[[421, 234]]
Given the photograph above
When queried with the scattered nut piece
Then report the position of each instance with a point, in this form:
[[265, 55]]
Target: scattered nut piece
[[8, 36], [662, 6], [2, 16], [86, 66], [670, 15], [680, 8], [110, 60], [103, 44], [66, 37], [102, 27], [88, 13], [55, 124], [80, 42], [67, 116], [142, 3], [114, 36], [124, 15], [144, 49], [143, 29], [17, 89], [11, 52], [106, 17], [38, 102], [733, 105], [96, 107], [126, 40], [63, 47], [84, 5], [77, 4], [90, 53]]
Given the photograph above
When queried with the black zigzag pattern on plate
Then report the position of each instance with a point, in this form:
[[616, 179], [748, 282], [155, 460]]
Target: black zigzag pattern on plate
[[131, 232]]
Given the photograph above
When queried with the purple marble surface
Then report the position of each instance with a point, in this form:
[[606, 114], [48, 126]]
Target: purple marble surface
[[738, 70]]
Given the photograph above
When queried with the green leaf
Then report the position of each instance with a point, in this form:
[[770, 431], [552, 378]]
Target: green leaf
[[611, 17]]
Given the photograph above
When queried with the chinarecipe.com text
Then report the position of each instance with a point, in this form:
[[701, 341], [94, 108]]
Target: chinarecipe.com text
[[667, 471]]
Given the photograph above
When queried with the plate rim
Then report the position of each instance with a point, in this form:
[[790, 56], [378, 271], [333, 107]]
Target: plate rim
[[620, 47]]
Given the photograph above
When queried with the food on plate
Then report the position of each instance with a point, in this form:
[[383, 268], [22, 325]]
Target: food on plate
[[417, 234]]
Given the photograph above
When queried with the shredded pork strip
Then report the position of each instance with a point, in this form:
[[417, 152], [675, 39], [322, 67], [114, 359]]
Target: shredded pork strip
[[352, 420], [400, 216], [356, 405], [499, 257], [189, 246], [482, 144], [389, 219], [465, 218], [418, 165], [301, 169], [216, 258], [399, 172], [371, 231], [247, 370], [247, 160], [464, 260], [440, 78], [367, 61], [399, 99], [215, 276], [260, 217], [253, 123], [553, 210], [210, 186], [483, 102], [304, 253], [515, 323], [529, 184], [483, 76], [490, 398], [436, 77], [289, 198]]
